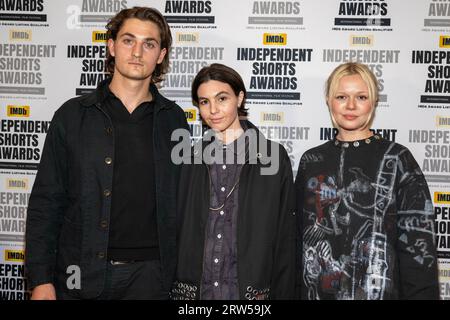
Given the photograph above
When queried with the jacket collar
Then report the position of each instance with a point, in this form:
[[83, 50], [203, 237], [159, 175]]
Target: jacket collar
[[99, 95]]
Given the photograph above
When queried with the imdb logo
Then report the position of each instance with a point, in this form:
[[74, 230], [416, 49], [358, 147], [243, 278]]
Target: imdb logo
[[279, 39], [444, 274], [361, 41], [16, 184], [442, 197], [99, 36], [19, 35], [272, 117], [444, 41], [442, 121], [187, 37], [191, 114], [18, 111], [15, 255]]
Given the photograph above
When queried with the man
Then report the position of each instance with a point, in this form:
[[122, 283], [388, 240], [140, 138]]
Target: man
[[101, 216]]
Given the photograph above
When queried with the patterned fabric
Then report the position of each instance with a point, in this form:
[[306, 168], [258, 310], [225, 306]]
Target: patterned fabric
[[366, 223]]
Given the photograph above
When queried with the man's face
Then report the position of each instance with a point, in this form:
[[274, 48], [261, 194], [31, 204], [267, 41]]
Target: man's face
[[137, 49]]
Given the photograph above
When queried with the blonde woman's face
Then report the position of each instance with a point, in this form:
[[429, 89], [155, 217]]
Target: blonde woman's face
[[351, 108]]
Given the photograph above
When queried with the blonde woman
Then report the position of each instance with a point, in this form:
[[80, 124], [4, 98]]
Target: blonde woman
[[365, 213]]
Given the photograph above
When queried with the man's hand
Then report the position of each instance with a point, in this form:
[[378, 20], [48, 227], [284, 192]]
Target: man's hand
[[44, 292]]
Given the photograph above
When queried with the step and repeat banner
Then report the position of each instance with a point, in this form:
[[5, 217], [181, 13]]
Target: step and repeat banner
[[52, 50]]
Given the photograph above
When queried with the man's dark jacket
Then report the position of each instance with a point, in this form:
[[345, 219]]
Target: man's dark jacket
[[70, 204]]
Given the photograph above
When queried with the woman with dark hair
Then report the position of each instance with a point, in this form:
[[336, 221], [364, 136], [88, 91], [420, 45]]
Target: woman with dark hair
[[365, 213], [236, 232]]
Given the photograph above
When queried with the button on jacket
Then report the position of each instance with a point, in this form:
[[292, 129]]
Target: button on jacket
[[69, 207]]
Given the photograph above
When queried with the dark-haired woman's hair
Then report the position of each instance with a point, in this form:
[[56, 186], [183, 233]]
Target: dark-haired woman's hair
[[222, 73]]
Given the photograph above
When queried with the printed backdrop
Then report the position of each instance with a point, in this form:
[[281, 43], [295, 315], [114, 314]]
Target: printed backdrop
[[52, 50]]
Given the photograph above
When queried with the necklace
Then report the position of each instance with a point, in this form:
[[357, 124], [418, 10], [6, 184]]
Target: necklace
[[226, 197], [229, 193]]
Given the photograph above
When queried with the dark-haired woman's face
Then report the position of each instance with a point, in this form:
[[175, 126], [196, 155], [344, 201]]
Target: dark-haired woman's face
[[219, 105]]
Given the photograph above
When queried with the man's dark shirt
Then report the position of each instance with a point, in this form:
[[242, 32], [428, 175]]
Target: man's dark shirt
[[133, 227]]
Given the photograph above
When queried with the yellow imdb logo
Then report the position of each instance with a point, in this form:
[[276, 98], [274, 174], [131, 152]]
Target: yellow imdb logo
[[20, 35], [361, 40], [18, 111], [444, 41], [98, 36], [183, 37], [444, 274], [15, 255], [442, 197], [272, 117], [442, 121], [16, 183], [191, 114], [279, 39]]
